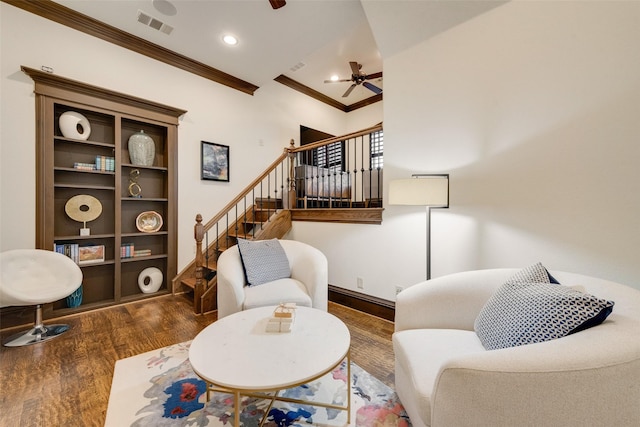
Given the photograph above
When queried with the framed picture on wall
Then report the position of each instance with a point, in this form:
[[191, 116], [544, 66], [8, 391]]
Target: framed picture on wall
[[215, 162]]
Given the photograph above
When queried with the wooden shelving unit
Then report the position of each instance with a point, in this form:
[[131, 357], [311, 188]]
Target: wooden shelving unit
[[113, 117]]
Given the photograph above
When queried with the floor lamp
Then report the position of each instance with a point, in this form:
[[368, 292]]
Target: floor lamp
[[430, 190]]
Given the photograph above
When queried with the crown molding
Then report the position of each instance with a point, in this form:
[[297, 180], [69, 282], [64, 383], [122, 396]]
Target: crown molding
[[282, 79], [289, 82], [57, 86], [63, 15], [53, 11], [371, 100]]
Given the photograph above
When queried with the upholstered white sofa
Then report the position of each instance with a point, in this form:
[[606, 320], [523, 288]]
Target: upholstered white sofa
[[306, 285], [445, 377]]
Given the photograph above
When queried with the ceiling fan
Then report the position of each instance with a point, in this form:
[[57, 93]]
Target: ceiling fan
[[359, 78], [277, 4]]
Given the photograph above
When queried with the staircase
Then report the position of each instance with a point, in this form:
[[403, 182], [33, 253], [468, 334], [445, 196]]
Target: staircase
[[286, 191], [266, 219]]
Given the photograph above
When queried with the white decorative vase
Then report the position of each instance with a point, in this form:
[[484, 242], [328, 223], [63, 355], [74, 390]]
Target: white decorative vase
[[74, 125], [142, 149], [150, 280]]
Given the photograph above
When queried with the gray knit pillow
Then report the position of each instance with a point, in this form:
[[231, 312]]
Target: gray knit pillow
[[522, 312], [263, 261]]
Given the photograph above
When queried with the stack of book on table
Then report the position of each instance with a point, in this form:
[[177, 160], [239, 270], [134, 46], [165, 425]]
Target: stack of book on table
[[282, 318]]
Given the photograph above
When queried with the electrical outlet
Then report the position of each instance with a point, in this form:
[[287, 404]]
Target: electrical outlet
[[399, 289], [360, 283]]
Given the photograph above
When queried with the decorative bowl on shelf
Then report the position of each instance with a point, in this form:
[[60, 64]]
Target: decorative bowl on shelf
[[149, 222], [74, 125]]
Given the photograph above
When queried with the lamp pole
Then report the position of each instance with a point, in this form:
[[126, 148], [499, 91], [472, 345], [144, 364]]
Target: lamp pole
[[428, 254]]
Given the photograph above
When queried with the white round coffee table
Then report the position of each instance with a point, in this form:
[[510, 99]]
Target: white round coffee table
[[235, 354]]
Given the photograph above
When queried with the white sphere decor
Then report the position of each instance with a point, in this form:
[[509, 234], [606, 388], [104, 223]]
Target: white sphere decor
[[74, 125], [150, 280]]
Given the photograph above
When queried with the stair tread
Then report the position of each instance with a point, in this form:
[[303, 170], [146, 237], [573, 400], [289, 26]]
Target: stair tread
[[189, 281], [240, 234]]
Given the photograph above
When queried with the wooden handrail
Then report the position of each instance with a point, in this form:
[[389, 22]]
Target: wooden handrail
[[288, 151], [327, 141], [246, 191]]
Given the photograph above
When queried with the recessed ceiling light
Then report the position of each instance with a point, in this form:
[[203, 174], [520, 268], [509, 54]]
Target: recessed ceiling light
[[230, 40], [164, 7], [335, 78]]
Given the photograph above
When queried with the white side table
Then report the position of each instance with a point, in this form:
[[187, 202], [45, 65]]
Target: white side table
[[235, 354]]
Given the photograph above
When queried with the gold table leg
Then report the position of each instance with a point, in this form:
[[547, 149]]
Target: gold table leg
[[349, 387], [237, 408], [238, 402]]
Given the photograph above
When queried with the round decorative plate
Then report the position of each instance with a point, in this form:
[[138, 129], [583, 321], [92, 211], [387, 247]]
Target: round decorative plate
[[83, 208], [149, 222]]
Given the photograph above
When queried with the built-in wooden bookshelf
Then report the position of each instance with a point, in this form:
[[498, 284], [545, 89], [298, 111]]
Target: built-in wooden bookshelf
[[113, 118]]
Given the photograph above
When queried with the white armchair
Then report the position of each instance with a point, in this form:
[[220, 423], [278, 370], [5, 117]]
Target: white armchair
[[445, 377], [307, 286]]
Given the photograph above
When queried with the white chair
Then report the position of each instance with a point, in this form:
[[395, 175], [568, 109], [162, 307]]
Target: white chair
[[445, 377], [35, 277], [307, 286]]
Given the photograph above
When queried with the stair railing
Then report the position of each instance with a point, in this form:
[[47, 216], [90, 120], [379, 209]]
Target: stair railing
[[332, 173], [239, 218], [337, 172]]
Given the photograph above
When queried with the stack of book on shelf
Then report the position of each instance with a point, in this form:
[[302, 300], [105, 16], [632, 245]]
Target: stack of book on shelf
[[84, 166], [81, 255], [69, 249], [282, 318], [104, 163], [128, 250], [142, 252]]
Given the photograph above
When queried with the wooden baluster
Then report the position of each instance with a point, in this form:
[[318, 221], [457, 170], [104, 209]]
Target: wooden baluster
[[292, 179], [198, 290]]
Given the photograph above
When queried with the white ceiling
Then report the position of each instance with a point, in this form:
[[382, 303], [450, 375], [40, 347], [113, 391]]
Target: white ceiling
[[323, 35]]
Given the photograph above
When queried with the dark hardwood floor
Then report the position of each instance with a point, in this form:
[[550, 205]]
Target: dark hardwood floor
[[66, 381]]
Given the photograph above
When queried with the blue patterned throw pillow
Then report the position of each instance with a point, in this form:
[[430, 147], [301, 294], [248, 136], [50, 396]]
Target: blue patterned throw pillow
[[526, 311], [263, 261], [535, 273]]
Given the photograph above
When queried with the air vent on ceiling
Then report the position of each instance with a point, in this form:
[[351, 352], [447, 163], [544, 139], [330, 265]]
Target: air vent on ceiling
[[297, 66], [154, 23]]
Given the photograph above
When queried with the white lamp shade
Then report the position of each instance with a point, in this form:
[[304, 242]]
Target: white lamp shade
[[426, 191]]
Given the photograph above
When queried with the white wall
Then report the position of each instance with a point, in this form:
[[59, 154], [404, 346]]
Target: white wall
[[533, 108], [215, 113]]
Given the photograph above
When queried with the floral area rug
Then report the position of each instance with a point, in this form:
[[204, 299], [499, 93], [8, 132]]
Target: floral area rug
[[159, 388]]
